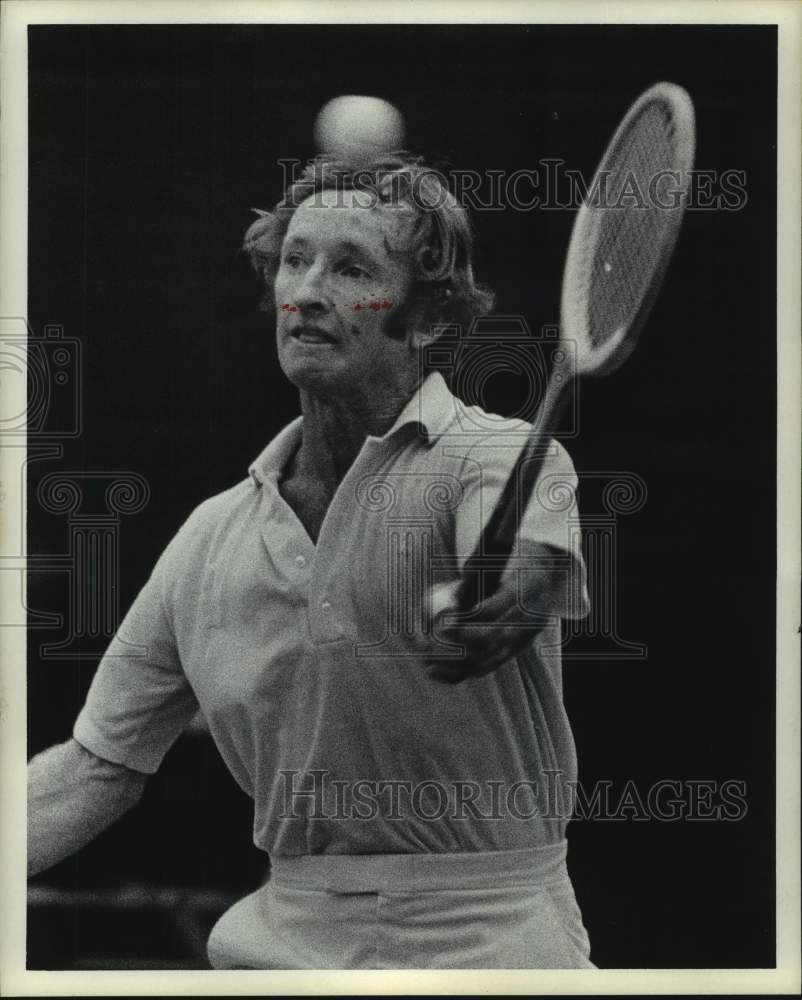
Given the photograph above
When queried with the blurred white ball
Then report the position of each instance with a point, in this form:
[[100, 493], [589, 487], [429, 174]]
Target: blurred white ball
[[358, 126]]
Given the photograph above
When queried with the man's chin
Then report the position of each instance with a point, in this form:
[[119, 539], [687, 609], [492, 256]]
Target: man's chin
[[316, 377]]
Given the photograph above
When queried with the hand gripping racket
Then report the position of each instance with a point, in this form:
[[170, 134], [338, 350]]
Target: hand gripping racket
[[620, 246]]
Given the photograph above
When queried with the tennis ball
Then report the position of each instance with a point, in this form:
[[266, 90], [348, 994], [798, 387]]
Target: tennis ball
[[354, 126]]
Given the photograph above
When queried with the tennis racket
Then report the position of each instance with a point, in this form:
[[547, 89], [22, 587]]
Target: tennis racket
[[621, 243]]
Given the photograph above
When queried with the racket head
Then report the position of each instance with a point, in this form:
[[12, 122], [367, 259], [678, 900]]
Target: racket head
[[626, 229]]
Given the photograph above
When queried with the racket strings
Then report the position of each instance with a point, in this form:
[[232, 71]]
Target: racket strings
[[631, 172], [633, 222]]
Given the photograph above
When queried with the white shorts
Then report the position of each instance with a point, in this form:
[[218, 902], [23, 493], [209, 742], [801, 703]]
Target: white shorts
[[503, 910]]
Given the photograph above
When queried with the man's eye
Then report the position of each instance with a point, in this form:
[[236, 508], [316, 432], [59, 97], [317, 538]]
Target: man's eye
[[293, 260], [354, 271]]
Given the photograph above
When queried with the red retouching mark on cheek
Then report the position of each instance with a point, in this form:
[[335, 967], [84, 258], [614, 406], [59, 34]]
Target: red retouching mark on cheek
[[288, 308], [375, 305]]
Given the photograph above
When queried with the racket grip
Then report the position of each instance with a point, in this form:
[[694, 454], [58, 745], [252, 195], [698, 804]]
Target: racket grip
[[477, 583], [483, 571], [468, 590]]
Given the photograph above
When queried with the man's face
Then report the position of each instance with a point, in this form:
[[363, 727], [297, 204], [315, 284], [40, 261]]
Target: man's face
[[343, 273]]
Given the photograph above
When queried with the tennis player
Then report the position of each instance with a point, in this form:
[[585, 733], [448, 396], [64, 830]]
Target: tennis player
[[405, 758]]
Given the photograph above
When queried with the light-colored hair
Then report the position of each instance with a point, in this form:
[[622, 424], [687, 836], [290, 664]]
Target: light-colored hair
[[443, 289]]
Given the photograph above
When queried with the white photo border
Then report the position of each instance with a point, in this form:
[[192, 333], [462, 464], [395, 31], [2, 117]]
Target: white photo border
[[15, 980]]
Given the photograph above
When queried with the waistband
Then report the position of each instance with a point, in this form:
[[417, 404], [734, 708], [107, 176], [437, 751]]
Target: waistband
[[537, 866]]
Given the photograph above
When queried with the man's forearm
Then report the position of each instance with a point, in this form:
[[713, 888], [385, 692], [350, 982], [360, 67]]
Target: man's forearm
[[72, 797]]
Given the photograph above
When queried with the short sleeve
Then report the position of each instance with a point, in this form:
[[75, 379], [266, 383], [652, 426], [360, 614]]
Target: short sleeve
[[549, 529], [139, 700]]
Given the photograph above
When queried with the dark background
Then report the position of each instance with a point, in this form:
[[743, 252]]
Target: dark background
[[148, 147]]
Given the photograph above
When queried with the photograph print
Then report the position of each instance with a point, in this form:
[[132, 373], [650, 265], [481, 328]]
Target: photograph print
[[400, 496]]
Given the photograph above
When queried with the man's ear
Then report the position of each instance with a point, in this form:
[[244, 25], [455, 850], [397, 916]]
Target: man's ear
[[430, 317], [422, 327], [415, 327], [420, 336]]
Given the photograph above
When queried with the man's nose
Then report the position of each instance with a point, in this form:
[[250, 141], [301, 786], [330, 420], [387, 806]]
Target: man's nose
[[312, 291]]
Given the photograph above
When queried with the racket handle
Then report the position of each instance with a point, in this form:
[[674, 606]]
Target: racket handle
[[482, 572]]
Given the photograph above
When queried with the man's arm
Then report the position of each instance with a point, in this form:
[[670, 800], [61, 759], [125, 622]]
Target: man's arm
[[73, 796]]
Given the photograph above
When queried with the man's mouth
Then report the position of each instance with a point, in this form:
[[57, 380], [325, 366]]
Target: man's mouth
[[312, 335]]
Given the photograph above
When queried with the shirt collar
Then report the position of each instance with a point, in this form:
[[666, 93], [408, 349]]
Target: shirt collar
[[269, 464], [432, 408]]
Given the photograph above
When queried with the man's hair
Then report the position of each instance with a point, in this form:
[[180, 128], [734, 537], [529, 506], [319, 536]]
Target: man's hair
[[443, 290]]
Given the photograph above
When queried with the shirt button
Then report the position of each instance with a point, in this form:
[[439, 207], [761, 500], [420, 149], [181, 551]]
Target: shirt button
[[325, 605], [300, 561]]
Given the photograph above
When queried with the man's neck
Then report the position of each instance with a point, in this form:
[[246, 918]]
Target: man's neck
[[335, 428]]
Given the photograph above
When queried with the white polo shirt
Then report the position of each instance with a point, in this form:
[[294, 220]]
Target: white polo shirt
[[309, 660]]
